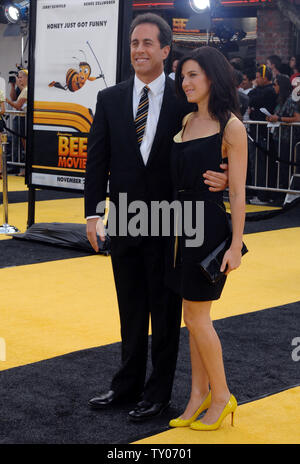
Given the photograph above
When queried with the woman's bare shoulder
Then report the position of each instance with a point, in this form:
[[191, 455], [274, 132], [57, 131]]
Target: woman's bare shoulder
[[234, 128]]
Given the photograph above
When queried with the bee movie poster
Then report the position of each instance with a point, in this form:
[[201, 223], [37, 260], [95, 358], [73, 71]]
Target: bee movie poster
[[75, 54]]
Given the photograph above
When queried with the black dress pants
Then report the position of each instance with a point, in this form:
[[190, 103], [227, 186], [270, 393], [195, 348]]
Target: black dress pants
[[141, 291]]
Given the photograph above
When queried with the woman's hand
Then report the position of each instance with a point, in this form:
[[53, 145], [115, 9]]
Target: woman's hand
[[231, 260]]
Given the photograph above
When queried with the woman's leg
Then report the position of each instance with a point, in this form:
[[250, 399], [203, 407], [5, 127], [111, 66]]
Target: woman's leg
[[200, 382], [198, 321]]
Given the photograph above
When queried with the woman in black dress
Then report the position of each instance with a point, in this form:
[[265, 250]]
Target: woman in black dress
[[209, 135]]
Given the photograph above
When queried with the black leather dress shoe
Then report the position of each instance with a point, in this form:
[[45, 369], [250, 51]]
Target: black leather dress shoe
[[106, 399], [146, 410], [110, 398]]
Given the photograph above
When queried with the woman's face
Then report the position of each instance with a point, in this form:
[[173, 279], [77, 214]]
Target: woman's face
[[195, 83]]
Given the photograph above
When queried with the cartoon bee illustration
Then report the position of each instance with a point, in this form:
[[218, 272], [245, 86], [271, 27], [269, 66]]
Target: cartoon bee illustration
[[75, 80]]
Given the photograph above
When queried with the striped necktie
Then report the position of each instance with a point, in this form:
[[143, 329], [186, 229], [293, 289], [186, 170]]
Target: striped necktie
[[141, 115]]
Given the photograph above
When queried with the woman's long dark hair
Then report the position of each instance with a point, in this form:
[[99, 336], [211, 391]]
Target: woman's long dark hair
[[285, 88], [223, 98]]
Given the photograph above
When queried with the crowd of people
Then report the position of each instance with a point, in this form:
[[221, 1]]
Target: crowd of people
[[269, 87]]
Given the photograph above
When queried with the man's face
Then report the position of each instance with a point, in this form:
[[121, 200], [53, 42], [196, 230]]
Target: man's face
[[259, 80], [22, 79], [246, 83], [147, 56]]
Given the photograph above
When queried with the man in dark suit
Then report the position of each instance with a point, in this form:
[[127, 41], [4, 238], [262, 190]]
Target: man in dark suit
[[135, 157]]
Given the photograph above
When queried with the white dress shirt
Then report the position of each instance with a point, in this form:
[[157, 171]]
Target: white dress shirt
[[155, 96]]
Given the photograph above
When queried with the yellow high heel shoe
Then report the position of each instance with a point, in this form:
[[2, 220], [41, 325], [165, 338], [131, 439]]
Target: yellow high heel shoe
[[186, 422], [229, 408]]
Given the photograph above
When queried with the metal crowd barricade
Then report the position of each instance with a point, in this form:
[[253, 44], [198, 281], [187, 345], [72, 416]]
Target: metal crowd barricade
[[16, 122], [274, 157], [5, 228]]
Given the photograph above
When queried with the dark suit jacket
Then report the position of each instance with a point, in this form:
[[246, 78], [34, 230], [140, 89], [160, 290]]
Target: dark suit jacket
[[114, 154]]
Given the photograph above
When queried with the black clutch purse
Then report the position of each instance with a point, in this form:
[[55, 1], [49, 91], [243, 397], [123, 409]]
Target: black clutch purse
[[210, 266]]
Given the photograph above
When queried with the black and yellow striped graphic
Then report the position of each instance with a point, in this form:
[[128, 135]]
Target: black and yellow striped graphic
[[68, 115]]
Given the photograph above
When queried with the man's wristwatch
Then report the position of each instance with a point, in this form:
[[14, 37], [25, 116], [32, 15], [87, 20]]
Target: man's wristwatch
[[279, 118]]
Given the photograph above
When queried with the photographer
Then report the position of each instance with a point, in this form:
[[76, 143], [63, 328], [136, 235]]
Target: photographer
[[21, 101]]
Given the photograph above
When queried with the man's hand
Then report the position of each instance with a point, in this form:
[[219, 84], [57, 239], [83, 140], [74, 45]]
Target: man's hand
[[272, 118], [218, 181], [95, 226]]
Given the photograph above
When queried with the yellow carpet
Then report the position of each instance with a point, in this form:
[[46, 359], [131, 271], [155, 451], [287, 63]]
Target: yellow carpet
[[269, 275], [69, 210], [254, 208], [271, 420], [15, 184], [53, 308]]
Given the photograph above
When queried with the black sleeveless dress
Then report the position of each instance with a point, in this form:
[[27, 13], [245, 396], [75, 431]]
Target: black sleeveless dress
[[189, 160]]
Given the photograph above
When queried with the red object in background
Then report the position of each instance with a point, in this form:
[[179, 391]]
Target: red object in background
[[244, 2], [158, 4]]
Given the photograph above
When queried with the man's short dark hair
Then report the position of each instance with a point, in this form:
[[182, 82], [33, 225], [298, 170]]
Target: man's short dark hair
[[165, 32], [249, 73], [276, 60]]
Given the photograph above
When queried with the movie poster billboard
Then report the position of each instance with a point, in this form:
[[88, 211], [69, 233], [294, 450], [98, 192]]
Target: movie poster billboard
[[75, 55]]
